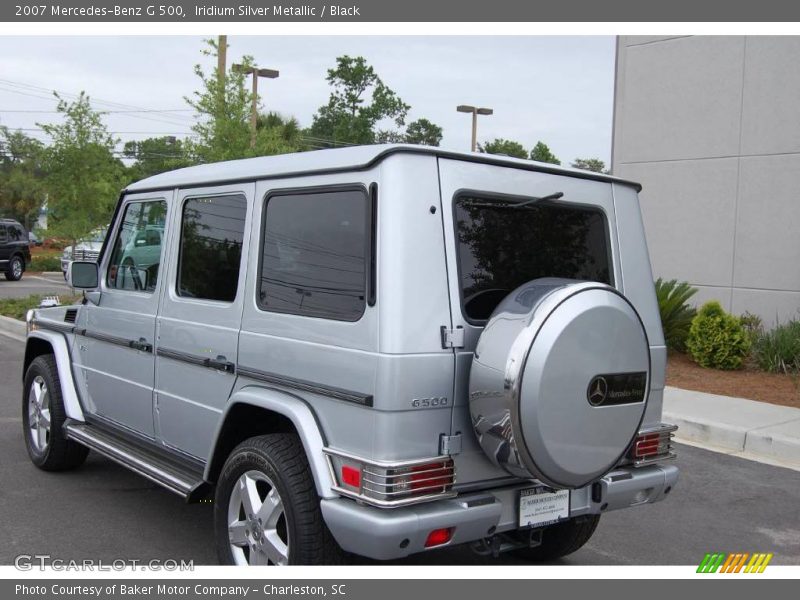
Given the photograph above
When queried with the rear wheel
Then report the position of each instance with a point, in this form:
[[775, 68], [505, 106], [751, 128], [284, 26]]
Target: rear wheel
[[266, 510], [561, 539], [43, 417], [15, 269]]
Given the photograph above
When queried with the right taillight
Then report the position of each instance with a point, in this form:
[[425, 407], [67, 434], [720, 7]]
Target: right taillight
[[652, 444]]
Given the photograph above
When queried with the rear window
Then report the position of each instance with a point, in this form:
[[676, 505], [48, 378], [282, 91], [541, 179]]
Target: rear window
[[504, 243]]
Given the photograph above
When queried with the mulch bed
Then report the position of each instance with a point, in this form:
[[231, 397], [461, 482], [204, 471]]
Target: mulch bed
[[749, 383]]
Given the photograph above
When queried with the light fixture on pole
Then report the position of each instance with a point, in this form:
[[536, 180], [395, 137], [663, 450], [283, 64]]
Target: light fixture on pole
[[256, 72], [465, 108]]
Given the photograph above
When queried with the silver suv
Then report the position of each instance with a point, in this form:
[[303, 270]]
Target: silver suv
[[375, 351]]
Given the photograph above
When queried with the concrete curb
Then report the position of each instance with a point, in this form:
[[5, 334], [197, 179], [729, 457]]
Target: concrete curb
[[737, 425], [12, 327]]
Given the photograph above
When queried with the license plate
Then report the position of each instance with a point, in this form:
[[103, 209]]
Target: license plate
[[538, 507]]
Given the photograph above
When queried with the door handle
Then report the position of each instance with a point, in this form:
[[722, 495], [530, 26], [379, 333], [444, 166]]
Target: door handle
[[220, 363], [141, 344]]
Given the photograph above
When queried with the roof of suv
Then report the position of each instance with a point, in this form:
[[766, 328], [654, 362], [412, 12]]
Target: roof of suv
[[335, 160]]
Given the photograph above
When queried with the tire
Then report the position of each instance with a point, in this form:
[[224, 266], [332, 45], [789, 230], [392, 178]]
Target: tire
[[561, 539], [271, 467], [15, 268], [47, 446]]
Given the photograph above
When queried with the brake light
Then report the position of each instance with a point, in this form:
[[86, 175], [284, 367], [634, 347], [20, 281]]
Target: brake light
[[437, 537], [652, 445], [351, 476]]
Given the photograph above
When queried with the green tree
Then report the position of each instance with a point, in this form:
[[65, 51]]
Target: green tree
[[155, 155], [22, 190], [224, 109], [541, 152], [505, 147], [423, 133], [589, 164], [359, 102], [83, 176]]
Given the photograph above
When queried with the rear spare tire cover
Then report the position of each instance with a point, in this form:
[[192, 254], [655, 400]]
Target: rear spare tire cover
[[559, 381]]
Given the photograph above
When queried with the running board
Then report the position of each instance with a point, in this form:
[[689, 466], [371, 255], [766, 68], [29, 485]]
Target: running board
[[178, 479]]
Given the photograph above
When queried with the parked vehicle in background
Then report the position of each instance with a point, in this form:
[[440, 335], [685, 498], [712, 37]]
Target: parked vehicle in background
[[15, 252], [87, 249], [34, 239], [375, 350]]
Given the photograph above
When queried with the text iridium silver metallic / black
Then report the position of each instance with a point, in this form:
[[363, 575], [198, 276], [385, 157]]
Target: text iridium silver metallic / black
[[540, 350]]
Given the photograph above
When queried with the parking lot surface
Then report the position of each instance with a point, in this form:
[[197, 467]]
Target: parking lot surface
[[45, 284]]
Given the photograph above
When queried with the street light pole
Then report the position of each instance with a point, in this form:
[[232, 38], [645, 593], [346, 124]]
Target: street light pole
[[256, 73], [465, 108]]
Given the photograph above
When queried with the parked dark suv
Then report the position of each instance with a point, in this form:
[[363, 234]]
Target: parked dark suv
[[15, 253]]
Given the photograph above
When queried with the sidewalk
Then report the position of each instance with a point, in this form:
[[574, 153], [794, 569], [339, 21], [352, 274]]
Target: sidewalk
[[756, 430], [752, 429]]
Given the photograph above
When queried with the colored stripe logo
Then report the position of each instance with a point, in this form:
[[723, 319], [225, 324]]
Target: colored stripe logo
[[738, 562]]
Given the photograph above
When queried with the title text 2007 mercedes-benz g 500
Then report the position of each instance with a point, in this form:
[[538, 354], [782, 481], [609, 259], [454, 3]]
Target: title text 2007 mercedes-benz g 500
[[375, 351]]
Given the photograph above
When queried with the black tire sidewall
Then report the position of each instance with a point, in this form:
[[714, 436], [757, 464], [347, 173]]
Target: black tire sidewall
[[39, 367], [10, 268], [251, 458]]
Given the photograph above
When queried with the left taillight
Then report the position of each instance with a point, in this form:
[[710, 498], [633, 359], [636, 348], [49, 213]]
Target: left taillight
[[388, 485]]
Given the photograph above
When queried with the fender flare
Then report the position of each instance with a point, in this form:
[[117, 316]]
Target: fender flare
[[304, 421], [72, 404]]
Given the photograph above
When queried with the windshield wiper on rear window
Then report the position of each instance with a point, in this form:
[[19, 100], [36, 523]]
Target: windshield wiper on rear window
[[483, 203]]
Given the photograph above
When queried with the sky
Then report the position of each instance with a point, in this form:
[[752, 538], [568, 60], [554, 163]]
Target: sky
[[552, 88]]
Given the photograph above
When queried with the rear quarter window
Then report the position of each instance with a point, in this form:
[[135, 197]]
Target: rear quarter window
[[504, 243]]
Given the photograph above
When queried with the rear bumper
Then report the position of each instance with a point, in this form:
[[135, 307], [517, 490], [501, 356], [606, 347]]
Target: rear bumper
[[385, 534]]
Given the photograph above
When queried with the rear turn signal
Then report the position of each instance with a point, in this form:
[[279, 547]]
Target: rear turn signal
[[438, 537]]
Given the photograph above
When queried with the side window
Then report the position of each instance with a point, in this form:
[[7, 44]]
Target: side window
[[15, 233], [136, 253], [3, 234], [314, 254], [212, 231]]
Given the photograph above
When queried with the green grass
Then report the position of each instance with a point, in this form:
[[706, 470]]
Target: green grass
[[778, 350], [17, 307]]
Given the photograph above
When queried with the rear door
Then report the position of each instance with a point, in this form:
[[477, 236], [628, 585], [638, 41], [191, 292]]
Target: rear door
[[491, 252], [114, 342], [199, 320], [5, 247]]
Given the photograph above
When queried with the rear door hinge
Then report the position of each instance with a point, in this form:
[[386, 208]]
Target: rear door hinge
[[452, 338], [449, 444]]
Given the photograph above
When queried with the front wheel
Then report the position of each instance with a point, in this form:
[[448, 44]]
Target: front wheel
[[266, 509], [15, 269], [43, 417], [561, 539]]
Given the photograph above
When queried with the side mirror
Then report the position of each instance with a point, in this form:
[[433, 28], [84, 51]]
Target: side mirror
[[83, 275]]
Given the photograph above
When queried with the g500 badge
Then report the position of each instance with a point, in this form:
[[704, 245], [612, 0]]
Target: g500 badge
[[617, 388]]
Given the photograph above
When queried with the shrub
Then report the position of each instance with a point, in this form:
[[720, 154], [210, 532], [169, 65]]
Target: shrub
[[45, 263], [717, 339], [778, 351], [676, 313]]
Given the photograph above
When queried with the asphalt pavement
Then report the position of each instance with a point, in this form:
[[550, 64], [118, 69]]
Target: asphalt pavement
[[101, 511], [47, 284]]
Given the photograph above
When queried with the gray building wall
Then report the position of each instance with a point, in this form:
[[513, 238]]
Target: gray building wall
[[711, 127]]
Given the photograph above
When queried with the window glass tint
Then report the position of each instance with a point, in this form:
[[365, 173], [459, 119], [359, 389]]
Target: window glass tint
[[136, 253], [211, 247], [314, 254], [3, 234], [501, 247], [16, 233]]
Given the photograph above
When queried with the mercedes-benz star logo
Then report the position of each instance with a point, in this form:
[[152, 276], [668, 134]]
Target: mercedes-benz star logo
[[597, 391]]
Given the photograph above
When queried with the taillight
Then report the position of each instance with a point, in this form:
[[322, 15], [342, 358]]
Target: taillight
[[351, 476], [438, 537], [385, 484], [652, 445]]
